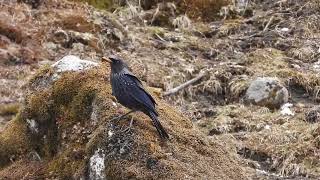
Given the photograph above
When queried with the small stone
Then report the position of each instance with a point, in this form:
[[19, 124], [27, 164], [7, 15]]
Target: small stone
[[285, 29], [286, 111], [313, 115], [110, 133], [114, 104], [266, 91], [33, 126], [51, 46], [316, 66], [97, 166]]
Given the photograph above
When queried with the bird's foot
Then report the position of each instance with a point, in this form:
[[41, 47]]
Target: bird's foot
[[128, 129], [117, 118], [121, 117]]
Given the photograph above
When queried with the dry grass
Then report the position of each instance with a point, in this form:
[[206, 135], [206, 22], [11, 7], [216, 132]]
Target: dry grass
[[290, 142], [9, 109], [105, 4], [204, 9], [182, 22], [291, 146], [238, 86]]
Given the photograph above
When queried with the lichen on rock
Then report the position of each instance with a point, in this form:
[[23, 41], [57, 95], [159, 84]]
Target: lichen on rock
[[267, 91], [97, 167]]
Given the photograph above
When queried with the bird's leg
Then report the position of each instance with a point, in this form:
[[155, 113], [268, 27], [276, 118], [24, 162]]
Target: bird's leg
[[130, 125], [122, 116]]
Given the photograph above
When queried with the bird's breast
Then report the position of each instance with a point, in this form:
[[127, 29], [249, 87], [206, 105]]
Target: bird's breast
[[118, 85]]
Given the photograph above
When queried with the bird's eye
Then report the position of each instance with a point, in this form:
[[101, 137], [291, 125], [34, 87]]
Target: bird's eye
[[114, 60]]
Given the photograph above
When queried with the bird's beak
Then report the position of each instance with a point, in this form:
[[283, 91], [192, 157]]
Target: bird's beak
[[105, 59]]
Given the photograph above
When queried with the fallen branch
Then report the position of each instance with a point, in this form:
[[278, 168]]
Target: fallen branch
[[160, 38], [268, 24], [184, 85]]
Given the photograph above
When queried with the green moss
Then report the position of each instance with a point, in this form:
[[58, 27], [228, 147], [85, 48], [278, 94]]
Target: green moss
[[45, 71], [67, 164], [81, 104], [38, 106], [66, 103], [14, 140], [65, 89]]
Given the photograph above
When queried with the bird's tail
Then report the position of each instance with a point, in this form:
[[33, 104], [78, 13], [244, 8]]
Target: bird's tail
[[163, 134]]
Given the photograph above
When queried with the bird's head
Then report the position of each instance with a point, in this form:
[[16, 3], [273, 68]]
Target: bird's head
[[117, 64]]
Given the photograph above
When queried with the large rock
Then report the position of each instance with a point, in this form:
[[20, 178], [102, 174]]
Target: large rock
[[266, 91], [64, 131]]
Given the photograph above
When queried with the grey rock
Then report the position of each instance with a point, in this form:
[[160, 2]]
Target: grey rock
[[266, 91], [97, 166], [68, 63], [313, 115], [52, 46], [71, 63]]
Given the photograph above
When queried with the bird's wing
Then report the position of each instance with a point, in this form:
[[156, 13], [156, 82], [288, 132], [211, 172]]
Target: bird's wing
[[137, 92], [130, 74], [139, 83]]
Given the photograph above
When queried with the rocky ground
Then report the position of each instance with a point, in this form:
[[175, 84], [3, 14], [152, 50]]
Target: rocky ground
[[167, 45]]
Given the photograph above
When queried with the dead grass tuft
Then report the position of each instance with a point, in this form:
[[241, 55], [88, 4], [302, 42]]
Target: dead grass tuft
[[182, 22], [238, 86], [204, 9], [13, 32], [9, 109], [75, 21], [286, 146], [105, 4]]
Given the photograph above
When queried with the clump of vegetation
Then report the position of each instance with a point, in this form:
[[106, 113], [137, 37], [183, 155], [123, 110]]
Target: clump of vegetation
[[204, 9], [14, 141], [9, 109], [100, 4]]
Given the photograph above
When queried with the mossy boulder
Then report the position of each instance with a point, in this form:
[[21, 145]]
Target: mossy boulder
[[65, 131]]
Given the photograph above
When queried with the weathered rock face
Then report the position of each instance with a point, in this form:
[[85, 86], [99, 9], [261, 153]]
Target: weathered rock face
[[64, 131], [266, 91]]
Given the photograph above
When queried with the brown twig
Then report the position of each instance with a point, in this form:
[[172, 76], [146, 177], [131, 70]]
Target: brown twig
[[268, 24], [184, 85]]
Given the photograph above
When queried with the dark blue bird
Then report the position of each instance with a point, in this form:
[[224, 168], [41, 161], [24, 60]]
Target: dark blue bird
[[128, 90]]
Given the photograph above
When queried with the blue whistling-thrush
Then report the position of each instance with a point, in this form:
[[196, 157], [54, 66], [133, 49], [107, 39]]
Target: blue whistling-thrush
[[128, 90]]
